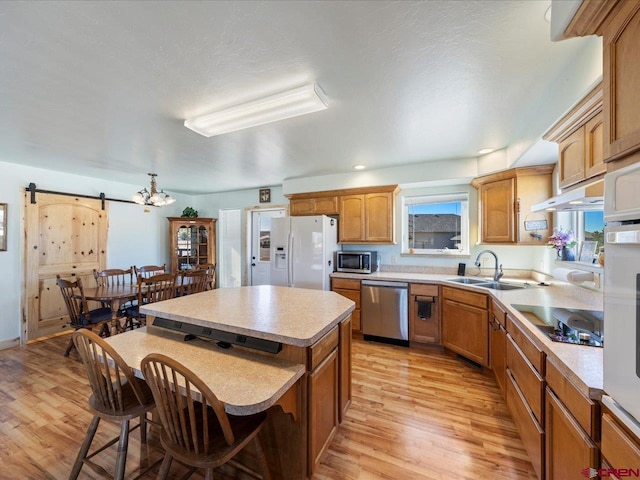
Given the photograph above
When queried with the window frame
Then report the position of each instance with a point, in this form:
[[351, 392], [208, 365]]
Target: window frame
[[436, 198]]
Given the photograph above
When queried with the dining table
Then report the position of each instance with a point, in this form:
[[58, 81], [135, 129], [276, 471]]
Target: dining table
[[114, 295]]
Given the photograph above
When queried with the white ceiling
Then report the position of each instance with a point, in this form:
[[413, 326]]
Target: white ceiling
[[102, 88]]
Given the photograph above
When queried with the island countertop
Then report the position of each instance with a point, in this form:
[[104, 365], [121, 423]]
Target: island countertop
[[293, 316]]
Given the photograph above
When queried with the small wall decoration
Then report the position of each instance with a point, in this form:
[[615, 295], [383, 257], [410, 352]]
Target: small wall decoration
[[587, 252], [265, 195], [3, 227]]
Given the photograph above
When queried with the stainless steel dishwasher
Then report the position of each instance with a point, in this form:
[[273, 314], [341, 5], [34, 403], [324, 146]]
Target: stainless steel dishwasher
[[385, 311]]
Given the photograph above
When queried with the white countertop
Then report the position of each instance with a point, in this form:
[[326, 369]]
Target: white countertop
[[293, 316], [581, 364]]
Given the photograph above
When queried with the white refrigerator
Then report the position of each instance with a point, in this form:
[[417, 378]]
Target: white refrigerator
[[303, 250]]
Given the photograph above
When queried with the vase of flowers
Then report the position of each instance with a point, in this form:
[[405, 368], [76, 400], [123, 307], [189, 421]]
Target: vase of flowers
[[563, 242]]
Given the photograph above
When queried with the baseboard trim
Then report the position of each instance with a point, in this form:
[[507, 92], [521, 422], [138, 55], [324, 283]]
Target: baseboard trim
[[9, 343]]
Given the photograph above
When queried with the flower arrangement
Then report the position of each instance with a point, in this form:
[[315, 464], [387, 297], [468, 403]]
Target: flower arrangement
[[561, 239]]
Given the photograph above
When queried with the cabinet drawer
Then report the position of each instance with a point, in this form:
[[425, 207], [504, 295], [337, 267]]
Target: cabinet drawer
[[499, 312], [319, 350], [583, 409], [531, 432], [530, 382], [531, 351], [345, 283], [620, 449], [464, 296], [350, 294], [422, 289]]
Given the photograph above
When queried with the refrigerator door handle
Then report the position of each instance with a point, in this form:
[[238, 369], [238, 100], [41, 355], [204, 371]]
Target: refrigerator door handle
[[290, 260]]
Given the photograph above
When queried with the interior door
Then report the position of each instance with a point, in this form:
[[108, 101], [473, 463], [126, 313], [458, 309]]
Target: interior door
[[260, 267], [64, 235]]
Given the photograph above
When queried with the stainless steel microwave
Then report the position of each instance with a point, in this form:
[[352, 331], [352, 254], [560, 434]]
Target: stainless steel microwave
[[357, 262]]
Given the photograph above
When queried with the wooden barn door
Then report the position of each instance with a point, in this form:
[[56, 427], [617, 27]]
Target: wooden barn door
[[64, 235]]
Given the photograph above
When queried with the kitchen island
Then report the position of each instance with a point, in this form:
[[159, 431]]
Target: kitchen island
[[306, 385]]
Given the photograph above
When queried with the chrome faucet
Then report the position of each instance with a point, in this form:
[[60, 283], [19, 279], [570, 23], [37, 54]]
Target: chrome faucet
[[498, 274]]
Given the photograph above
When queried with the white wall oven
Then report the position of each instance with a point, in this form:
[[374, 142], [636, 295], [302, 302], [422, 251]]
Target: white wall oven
[[622, 294]]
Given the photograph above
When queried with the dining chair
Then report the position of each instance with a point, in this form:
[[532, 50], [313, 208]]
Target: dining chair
[[153, 289], [211, 274], [149, 270], [117, 395], [78, 309], [196, 430], [193, 281], [115, 277]]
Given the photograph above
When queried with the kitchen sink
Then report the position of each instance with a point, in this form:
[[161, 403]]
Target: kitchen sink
[[500, 286], [467, 280]]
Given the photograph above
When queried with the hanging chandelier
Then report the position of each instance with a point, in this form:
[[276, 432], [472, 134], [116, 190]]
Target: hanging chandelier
[[152, 196]]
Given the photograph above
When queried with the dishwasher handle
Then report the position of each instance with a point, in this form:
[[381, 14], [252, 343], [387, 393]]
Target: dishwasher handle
[[380, 283]]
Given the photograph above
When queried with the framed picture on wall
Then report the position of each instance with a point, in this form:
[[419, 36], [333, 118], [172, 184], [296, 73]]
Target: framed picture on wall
[[587, 252], [3, 227]]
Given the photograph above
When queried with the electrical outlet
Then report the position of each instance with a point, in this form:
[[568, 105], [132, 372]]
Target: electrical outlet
[[393, 259], [486, 262]]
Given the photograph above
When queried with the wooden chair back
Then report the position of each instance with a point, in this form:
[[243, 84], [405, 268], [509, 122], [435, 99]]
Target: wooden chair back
[[149, 270], [193, 281], [112, 381], [76, 303], [183, 408], [156, 288], [113, 277], [211, 274]]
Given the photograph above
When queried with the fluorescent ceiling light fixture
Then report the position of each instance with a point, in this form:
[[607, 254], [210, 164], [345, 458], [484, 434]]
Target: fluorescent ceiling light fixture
[[484, 151], [292, 103], [359, 167]]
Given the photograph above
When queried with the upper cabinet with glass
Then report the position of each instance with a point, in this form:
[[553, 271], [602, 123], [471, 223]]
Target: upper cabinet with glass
[[193, 242]]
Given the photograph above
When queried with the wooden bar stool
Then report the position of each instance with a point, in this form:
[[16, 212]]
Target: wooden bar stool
[[196, 430], [117, 396]]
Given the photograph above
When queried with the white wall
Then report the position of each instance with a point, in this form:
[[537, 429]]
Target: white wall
[[134, 236]]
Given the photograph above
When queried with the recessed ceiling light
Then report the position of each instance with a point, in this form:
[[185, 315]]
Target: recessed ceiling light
[[484, 151], [299, 101], [359, 167]]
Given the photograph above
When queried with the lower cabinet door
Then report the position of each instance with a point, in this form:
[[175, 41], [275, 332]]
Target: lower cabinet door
[[569, 449], [323, 408], [531, 432], [465, 330], [498, 354]]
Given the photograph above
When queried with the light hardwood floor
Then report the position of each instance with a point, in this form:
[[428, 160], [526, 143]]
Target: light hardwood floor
[[414, 415]]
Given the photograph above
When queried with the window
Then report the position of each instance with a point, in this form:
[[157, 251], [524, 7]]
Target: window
[[436, 224], [594, 227]]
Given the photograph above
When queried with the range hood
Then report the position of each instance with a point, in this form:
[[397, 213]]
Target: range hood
[[587, 197]]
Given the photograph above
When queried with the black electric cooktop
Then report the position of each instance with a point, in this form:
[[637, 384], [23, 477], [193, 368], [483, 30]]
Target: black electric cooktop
[[566, 325]]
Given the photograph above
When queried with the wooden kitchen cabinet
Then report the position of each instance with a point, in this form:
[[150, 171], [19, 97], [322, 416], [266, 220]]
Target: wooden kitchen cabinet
[[192, 242], [368, 217], [344, 363], [621, 37], [321, 205], [323, 408], [580, 137], [465, 326], [569, 450], [504, 203], [350, 288], [525, 391], [498, 343], [618, 22], [571, 426], [619, 446], [424, 327], [531, 433]]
